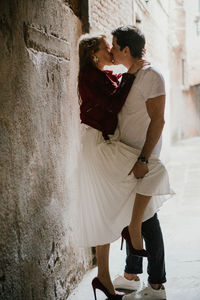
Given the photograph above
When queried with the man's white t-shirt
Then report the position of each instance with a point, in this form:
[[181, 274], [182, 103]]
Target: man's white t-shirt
[[133, 118]]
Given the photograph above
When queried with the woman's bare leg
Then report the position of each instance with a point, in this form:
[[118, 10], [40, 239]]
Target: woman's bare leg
[[102, 253], [135, 227]]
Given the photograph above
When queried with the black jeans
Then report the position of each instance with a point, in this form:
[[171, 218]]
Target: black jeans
[[153, 238]]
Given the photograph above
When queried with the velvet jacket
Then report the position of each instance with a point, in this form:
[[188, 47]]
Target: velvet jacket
[[102, 97]]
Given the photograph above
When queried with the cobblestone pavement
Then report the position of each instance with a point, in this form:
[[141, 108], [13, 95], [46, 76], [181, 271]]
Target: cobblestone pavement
[[180, 220]]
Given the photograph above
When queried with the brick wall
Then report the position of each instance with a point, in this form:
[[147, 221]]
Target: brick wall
[[106, 15]]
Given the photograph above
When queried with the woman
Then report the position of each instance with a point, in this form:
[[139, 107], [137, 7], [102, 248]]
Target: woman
[[107, 192]]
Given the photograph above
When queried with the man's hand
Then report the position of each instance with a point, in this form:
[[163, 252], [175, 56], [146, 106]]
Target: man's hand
[[139, 169], [138, 64]]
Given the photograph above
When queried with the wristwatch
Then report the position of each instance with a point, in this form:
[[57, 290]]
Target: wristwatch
[[143, 159]]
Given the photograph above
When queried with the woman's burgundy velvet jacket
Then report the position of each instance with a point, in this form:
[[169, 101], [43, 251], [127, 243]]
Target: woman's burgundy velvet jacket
[[102, 97]]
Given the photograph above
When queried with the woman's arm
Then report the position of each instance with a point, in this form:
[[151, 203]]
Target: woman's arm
[[102, 99], [118, 97], [106, 91]]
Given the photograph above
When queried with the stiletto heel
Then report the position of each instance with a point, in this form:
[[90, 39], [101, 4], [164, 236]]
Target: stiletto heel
[[95, 295], [122, 243], [125, 235], [96, 284]]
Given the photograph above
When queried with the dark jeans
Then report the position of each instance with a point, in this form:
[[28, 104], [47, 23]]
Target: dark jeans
[[153, 238]]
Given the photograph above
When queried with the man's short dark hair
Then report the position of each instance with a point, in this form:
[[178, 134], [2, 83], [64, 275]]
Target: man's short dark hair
[[132, 37]]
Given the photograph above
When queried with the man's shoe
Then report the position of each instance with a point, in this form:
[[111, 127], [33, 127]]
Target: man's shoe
[[147, 294], [121, 282]]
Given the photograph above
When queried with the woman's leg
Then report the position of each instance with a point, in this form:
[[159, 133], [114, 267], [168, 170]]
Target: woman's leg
[[135, 227], [103, 267]]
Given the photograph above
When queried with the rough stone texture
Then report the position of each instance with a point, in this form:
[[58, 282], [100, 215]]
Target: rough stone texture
[[39, 139], [81, 10]]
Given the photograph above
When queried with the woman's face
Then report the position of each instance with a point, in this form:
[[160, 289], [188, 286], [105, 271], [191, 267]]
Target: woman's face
[[103, 54]]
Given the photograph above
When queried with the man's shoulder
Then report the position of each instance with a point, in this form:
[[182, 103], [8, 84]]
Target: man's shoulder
[[150, 82], [151, 72]]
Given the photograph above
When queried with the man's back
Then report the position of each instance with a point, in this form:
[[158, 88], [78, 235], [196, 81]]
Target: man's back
[[134, 119]]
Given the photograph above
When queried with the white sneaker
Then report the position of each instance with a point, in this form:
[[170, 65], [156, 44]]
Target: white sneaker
[[147, 294], [120, 282]]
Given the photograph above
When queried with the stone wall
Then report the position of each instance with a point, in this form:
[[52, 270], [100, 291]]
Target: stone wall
[[39, 145]]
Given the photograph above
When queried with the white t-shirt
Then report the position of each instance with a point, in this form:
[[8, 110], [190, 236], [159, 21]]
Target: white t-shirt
[[133, 118]]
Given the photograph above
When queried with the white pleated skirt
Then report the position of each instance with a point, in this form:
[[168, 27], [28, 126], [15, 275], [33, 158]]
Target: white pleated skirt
[[107, 192]]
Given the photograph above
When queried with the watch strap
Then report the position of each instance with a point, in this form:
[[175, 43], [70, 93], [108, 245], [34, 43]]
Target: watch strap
[[143, 159]]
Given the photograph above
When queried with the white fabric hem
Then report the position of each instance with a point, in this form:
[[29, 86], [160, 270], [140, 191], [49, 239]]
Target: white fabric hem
[[107, 192]]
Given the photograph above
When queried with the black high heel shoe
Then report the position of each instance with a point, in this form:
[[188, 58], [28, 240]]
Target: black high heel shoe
[[96, 284], [126, 236]]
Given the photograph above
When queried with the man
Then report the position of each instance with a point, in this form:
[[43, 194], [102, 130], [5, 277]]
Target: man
[[141, 122]]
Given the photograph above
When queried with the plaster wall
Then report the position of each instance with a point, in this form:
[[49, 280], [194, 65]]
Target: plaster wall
[[183, 70], [192, 9]]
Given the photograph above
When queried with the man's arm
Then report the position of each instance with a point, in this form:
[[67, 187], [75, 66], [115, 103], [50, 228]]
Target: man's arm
[[155, 109]]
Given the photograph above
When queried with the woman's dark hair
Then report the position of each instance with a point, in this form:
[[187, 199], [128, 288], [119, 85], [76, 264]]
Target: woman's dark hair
[[88, 45], [132, 37]]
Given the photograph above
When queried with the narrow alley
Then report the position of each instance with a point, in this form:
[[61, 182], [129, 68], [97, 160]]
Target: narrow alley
[[180, 221], [41, 139]]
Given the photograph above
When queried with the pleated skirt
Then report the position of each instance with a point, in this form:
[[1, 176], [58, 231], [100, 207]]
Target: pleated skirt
[[107, 192]]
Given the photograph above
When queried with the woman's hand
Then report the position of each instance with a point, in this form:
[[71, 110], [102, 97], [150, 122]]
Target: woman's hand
[[139, 169], [138, 64]]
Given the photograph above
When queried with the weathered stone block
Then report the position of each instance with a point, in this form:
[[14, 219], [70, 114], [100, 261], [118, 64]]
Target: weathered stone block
[[41, 41]]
